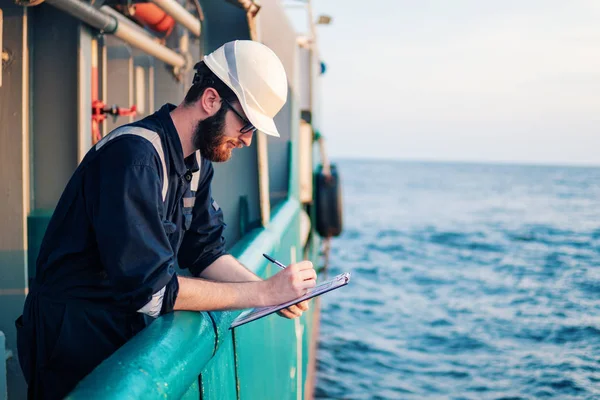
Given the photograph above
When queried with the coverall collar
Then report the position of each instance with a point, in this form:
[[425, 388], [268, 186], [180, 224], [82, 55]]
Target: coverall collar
[[181, 165]]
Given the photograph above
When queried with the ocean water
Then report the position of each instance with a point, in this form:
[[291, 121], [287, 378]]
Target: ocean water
[[468, 282]]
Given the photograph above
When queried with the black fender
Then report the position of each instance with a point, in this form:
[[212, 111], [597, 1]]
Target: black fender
[[328, 203]]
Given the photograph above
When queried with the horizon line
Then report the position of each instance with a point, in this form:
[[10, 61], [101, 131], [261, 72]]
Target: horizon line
[[477, 162]]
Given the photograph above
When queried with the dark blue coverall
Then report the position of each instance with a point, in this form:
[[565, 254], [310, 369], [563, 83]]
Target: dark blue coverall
[[111, 244]]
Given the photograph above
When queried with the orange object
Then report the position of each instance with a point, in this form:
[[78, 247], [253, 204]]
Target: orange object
[[97, 119], [99, 113], [96, 133], [99, 108], [154, 18]]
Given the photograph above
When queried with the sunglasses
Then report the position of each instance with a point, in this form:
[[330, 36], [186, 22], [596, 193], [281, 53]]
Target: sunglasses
[[248, 127]]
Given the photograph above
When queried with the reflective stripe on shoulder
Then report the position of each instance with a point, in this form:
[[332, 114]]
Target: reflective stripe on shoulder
[[149, 135]]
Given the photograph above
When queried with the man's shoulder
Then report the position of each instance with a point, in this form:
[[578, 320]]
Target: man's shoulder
[[131, 144]]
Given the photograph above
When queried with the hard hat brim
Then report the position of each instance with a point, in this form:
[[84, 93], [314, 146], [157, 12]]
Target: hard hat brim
[[260, 121]]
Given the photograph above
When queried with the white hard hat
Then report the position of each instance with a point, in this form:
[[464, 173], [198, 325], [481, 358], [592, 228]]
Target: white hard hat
[[256, 76]]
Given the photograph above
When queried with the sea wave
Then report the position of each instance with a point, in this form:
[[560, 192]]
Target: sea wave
[[469, 282]]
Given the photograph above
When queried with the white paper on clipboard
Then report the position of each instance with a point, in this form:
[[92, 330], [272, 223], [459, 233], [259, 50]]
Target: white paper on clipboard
[[253, 315]]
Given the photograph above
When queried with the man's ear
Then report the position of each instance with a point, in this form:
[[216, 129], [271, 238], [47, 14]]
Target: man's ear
[[210, 102]]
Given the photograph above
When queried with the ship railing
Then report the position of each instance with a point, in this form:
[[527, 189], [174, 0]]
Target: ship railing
[[166, 358]]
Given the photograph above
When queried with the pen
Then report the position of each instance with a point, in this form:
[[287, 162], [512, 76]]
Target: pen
[[274, 261]]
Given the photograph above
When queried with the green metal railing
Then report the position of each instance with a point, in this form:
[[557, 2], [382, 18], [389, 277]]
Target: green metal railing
[[166, 359]]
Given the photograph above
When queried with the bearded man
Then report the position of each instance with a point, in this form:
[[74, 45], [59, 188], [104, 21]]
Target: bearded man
[[139, 201]]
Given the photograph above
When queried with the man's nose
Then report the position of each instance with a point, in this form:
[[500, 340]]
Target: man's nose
[[246, 138]]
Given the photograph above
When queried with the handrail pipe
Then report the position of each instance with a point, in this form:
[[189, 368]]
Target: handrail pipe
[[106, 23]]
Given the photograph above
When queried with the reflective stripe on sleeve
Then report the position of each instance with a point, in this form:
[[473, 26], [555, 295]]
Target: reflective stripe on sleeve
[[153, 307]]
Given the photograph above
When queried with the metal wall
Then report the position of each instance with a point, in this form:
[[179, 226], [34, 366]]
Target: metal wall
[[167, 89], [120, 80], [60, 108], [14, 183], [281, 38], [279, 154], [305, 77], [54, 103], [272, 353], [235, 182], [143, 83]]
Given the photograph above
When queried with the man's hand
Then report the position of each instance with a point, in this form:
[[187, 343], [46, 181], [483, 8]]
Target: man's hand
[[290, 283], [294, 311], [198, 294]]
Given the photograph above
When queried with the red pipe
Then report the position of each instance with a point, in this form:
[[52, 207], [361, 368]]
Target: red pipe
[[96, 133], [99, 108]]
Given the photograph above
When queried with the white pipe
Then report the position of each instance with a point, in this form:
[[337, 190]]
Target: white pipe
[[149, 46], [87, 14], [121, 19], [180, 15], [116, 24], [144, 42]]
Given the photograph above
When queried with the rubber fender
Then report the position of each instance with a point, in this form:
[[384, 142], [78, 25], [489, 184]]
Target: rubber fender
[[328, 202], [154, 17]]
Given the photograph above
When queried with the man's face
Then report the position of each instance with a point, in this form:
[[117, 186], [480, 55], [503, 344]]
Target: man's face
[[217, 136]]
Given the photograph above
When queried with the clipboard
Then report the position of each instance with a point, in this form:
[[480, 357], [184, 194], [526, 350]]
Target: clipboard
[[257, 313]]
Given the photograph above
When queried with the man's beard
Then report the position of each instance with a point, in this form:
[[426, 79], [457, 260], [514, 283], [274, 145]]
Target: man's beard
[[210, 139]]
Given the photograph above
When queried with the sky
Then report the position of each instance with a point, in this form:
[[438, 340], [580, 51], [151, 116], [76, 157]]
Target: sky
[[462, 80]]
